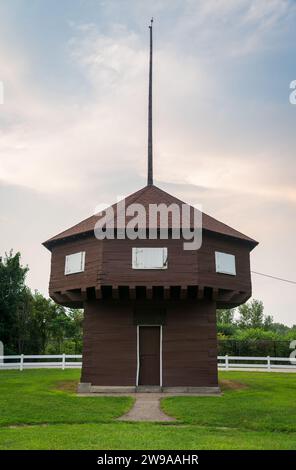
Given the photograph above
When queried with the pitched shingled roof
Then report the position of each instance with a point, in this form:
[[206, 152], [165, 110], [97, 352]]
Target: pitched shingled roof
[[149, 195]]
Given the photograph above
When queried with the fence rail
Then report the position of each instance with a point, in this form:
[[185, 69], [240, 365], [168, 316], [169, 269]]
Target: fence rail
[[73, 361], [257, 362], [37, 361]]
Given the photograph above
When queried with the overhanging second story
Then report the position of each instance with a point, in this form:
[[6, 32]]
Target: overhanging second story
[[84, 267]]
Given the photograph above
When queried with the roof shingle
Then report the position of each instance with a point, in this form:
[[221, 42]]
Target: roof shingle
[[146, 196]]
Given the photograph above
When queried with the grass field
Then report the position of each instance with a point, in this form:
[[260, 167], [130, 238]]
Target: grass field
[[40, 410]]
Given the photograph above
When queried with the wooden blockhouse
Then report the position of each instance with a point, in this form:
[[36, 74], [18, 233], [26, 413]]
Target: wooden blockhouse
[[149, 305]]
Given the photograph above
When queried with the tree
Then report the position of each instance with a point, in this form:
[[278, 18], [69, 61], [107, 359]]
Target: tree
[[42, 315], [279, 328], [225, 316], [268, 322], [256, 334], [12, 298], [75, 328], [225, 322], [23, 319], [29, 322], [226, 329], [65, 330], [251, 315]]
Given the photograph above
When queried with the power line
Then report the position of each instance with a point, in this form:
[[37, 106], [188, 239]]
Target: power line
[[274, 277]]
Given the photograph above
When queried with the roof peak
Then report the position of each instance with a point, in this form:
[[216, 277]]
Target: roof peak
[[150, 194]]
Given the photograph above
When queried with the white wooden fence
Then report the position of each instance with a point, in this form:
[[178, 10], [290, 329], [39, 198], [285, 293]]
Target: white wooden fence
[[45, 361], [256, 362], [72, 361]]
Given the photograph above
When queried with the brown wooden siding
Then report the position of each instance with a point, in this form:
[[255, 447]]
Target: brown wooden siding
[[117, 264], [189, 344], [93, 262], [109, 263], [207, 275], [184, 267], [109, 344]]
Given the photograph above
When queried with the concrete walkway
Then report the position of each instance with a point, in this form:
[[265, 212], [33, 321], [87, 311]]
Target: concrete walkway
[[146, 408]]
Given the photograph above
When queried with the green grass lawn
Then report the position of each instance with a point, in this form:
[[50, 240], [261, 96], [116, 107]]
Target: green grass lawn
[[40, 410]]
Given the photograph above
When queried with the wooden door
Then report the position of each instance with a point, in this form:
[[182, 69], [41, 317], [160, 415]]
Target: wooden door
[[149, 355]]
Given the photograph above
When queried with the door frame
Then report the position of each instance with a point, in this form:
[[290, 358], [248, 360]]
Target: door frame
[[138, 353]]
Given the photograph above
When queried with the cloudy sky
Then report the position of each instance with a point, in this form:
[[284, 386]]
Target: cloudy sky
[[73, 122]]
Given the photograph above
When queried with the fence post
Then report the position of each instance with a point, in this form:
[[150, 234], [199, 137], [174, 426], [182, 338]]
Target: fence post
[[22, 362], [63, 362], [268, 363], [226, 362], [1, 354]]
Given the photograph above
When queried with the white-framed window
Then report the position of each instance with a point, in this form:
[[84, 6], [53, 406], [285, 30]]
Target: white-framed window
[[225, 263], [75, 263], [150, 258]]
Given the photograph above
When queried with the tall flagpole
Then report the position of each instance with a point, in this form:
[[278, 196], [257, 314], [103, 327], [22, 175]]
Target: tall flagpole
[[150, 148]]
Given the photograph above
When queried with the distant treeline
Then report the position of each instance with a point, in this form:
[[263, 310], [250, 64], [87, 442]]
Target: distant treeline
[[31, 323], [246, 331]]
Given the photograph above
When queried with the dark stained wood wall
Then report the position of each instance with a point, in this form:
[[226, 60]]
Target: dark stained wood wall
[[109, 344], [206, 263], [110, 263], [117, 264], [189, 344], [93, 263], [184, 267]]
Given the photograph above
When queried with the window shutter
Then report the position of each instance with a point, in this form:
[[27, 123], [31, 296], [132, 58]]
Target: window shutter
[[75, 263], [149, 258], [225, 263]]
